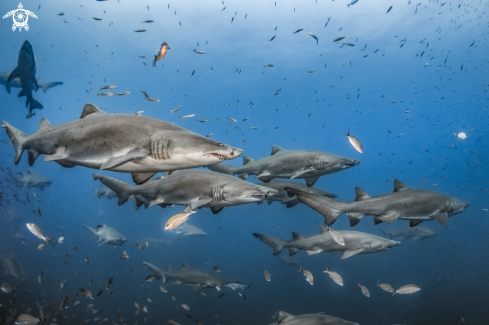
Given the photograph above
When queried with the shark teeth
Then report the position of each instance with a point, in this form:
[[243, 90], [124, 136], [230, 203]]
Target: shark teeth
[[218, 156]]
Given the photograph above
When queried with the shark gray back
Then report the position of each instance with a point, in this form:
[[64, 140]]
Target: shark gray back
[[127, 143], [404, 203], [291, 164], [310, 319]]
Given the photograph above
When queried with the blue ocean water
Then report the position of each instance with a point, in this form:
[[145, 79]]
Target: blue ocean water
[[414, 77]]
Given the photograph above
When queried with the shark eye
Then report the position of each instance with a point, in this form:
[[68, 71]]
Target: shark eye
[[232, 153]]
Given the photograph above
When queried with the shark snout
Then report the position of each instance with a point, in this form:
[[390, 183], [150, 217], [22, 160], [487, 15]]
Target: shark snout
[[352, 162], [395, 243]]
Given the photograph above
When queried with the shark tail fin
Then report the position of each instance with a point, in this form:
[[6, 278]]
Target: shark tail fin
[[123, 190], [225, 169], [276, 243], [33, 104], [329, 208], [91, 230], [18, 139]]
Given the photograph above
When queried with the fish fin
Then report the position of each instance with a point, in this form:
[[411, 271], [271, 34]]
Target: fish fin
[[348, 254], [282, 315], [140, 178], [441, 217], [57, 156], [302, 172], [7, 86], [296, 236], [90, 110], [377, 221], [18, 139], [355, 218], [360, 194], [260, 202], [399, 186], [276, 244], [263, 174], [314, 251], [201, 202], [44, 124], [311, 180], [156, 201], [34, 104], [66, 164], [33, 154], [22, 93], [292, 203], [104, 242], [184, 266], [225, 169], [276, 149], [269, 202], [247, 160], [389, 217], [265, 179], [123, 190], [138, 200], [14, 74], [243, 176], [329, 208], [92, 231], [292, 251], [216, 210], [120, 160], [413, 223]]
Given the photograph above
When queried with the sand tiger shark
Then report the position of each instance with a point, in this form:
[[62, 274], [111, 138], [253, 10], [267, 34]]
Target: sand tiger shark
[[355, 243], [15, 83], [193, 277], [291, 164], [404, 203], [126, 143], [26, 71], [107, 235], [310, 319]]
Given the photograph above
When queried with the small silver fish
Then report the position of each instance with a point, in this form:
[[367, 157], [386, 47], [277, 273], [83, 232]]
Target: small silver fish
[[199, 52], [365, 291], [176, 109], [60, 240], [106, 93], [268, 65], [299, 30], [163, 289], [386, 287], [152, 99], [354, 142], [150, 277], [310, 71], [139, 246], [337, 237], [96, 18], [271, 39], [108, 87], [86, 293], [267, 275], [123, 93], [178, 219], [147, 21], [308, 275], [30, 115], [407, 289], [232, 119], [335, 276], [184, 306], [36, 231], [41, 246], [339, 38], [187, 116], [139, 113], [314, 36], [139, 30]]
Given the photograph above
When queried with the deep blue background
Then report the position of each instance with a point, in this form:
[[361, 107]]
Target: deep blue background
[[312, 111]]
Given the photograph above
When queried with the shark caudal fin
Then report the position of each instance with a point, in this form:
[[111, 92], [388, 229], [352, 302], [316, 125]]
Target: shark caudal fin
[[123, 190], [33, 104], [276, 243], [92, 231], [225, 169], [329, 208], [18, 139]]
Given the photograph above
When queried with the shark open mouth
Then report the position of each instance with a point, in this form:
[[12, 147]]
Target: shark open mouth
[[218, 156], [258, 197]]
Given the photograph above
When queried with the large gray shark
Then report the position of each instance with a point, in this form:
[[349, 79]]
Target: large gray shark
[[291, 164], [310, 319], [26, 71], [126, 143], [15, 83], [31, 180], [193, 188], [355, 243], [107, 235], [410, 233], [193, 277], [11, 267], [282, 196], [404, 203]]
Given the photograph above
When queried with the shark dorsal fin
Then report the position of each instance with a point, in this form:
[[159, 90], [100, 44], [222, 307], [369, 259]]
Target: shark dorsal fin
[[324, 229], [44, 124], [360, 194], [184, 266], [276, 149], [282, 315], [247, 160], [399, 186], [296, 236], [90, 110]]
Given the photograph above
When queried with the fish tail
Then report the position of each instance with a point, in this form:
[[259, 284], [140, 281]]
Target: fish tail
[[18, 139], [91, 230], [154, 61], [276, 243], [329, 208], [225, 169], [123, 190]]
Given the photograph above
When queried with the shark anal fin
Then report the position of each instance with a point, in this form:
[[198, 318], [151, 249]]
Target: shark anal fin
[[413, 223], [282, 315], [348, 254], [355, 218], [117, 161], [263, 174], [377, 221], [56, 156], [140, 178], [311, 180], [22, 93], [184, 266], [292, 251], [441, 217], [389, 217]]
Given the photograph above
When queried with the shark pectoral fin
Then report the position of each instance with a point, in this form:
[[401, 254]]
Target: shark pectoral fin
[[302, 172], [22, 93], [355, 218], [413, 223], [292, 203], [156, 201], [56, 156], [292, 251], [14, 74], [311, 180], [348, 254], [117, 161], [389, 217], [314, 251], [377, 221], [216, 210], [415, 238], [441, 217], [104, 242], [201, 202], [140, 178]]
